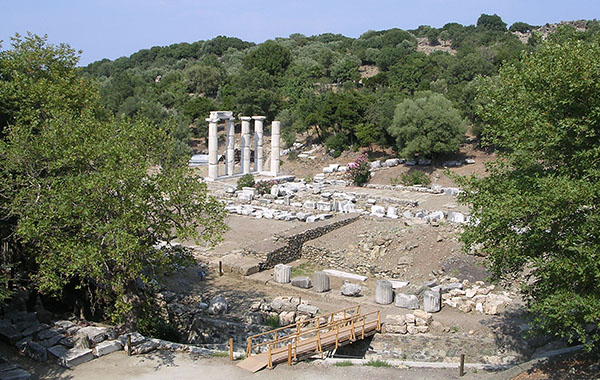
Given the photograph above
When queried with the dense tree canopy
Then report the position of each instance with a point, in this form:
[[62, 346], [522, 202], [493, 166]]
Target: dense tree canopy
[[538, 208], [427, 126], [84, 197]]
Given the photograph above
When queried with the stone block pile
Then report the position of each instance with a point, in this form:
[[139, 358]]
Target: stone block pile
[[465, 296], [287, 309], [417, 322], [63, 342]]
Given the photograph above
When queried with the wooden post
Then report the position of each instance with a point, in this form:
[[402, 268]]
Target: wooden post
[[249, 348], [363, 329], [220, 268], [270, 362], [358, 310], [461, 369], [378, 322], [129, 345], [337, 332], [289, 354], [295, 347]]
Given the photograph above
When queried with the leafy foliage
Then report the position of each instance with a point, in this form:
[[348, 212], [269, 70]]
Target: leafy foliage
[[537, 209], [427, 125], [415, 177], [85, 197], [247, 180]]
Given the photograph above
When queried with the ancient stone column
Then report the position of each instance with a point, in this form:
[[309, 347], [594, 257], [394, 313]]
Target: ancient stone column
[[432, 301], [282, 274], [321, 282], [246, 144], [258, 142], [384, 293], [275, 148], [213, 146], [230, 144]]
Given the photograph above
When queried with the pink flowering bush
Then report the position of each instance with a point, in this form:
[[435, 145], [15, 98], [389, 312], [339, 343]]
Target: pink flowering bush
[[264, 187], [359, 171]]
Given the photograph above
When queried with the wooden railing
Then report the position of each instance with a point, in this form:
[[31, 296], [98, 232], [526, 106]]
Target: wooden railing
[[295, 342], [343, 313]]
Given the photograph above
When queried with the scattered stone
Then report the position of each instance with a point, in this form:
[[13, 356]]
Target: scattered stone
[[350, 290], [107, 347], [71, 357], [282, 273], [93, 333], [407, 301], [321, 282], [217, 305], [432, 301], [144, 348], [384, 293], [308, 309], [302, 282], [15, 374], [35, 351], [287, 318]]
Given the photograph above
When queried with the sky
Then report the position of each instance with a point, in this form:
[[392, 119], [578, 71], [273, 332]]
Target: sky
[[112, 29]]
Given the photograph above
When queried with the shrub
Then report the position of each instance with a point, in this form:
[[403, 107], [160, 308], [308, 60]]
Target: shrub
[[273, 321], [247, 180], [345, 363], [359, 171], [264, 187], [377, 363], [415, 178]]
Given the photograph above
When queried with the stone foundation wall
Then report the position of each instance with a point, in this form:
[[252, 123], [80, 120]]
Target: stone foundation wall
[[292, 250]]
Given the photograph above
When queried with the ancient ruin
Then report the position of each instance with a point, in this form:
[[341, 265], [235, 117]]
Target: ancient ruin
[[213, 145]]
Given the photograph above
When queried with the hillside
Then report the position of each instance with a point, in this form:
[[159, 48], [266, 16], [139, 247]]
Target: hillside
[[339, 90]]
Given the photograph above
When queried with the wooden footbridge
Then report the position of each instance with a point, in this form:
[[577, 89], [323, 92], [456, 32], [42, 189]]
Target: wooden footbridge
[[306, 338]]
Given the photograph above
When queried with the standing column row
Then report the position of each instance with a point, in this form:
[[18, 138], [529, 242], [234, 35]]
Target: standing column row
[[216, 116]]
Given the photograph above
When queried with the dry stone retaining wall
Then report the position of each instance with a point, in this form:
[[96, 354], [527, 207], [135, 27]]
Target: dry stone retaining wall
[[293, 242]]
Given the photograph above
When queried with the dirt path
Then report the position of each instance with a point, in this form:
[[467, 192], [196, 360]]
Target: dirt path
[[163, 365]]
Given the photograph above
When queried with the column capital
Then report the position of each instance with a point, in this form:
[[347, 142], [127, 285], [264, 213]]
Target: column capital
[[259, 118], [212, 120], [245, 118]]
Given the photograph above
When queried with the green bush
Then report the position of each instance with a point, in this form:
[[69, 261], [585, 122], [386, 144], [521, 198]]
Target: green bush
[[293, 155], [415, 178], [247, 180], [273, 321]]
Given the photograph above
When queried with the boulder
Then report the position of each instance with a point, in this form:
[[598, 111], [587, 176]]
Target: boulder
[[350, 290], [407, 301], [217, 305], [302, 282]]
